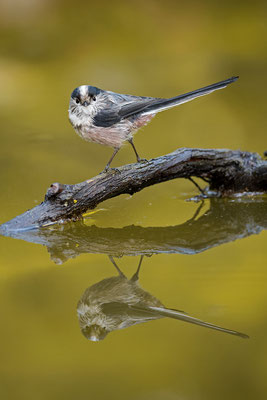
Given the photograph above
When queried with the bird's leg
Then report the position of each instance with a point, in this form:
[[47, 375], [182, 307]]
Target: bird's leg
[[116, 266], [196, 213], [199, 188], [135, 276], [113, 155], [137, 155]]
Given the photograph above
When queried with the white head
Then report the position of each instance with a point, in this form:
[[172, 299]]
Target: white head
[[83, 100]]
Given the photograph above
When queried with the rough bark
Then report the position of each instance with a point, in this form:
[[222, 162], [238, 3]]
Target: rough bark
[[226, 171]]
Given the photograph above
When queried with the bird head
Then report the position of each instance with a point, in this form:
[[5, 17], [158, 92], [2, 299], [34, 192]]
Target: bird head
[[83, 99], [95, 333]]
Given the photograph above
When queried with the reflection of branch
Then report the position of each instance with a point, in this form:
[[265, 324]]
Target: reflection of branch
[[225, 222], [227, 172]]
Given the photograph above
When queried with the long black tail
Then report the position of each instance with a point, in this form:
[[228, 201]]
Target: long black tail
[[164, 104], [166, 312]]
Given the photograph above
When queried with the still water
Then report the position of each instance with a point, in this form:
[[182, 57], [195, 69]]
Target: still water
[[60, 285]]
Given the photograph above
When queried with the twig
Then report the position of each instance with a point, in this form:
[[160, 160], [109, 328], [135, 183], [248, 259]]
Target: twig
[[228, 172]]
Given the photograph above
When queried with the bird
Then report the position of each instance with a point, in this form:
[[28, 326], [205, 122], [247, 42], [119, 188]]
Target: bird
[[118, 302], [111, 119]]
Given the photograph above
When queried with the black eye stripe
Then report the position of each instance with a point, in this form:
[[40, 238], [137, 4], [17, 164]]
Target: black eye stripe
[[75, 93], [93, 91]]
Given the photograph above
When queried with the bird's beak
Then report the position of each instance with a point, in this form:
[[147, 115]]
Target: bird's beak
[[94, 338], [85, 104]]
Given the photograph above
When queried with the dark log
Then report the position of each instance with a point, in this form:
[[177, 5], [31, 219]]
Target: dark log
[[226, 171], [224, 222]]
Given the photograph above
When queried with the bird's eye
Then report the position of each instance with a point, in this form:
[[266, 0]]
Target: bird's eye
[[94, 98], [77, 101]]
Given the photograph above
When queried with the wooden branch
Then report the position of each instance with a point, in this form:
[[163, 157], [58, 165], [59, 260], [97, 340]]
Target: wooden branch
[[226, 171], [224, 222]]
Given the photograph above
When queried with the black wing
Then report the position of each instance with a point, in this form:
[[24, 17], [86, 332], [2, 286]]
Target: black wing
[[106, 118], [114, 113], [122, 310]]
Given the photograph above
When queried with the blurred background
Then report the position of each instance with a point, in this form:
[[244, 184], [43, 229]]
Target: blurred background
[[151, 48]]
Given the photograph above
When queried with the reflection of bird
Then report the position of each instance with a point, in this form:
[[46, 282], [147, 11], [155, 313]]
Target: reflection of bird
[[118, 302], [111, 119]]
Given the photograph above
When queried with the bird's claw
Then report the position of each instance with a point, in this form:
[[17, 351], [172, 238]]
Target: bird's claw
[[111, 171], [142, 160]]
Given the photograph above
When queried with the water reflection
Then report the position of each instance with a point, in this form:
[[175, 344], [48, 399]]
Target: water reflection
[[224, 222], [118, 302]]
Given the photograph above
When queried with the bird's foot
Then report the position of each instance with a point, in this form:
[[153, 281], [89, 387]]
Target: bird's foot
[[142, 160], [109, 170]]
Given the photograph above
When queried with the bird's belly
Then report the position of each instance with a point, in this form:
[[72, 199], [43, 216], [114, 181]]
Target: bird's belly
[[113, 136], [142, 120]]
